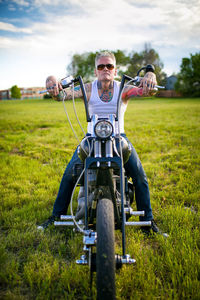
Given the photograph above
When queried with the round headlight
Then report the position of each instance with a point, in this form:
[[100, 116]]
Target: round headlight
[[103, 129]]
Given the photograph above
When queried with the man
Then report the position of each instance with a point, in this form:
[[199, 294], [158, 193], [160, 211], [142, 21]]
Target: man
[[102, 99]]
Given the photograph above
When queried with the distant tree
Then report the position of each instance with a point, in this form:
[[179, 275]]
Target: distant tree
[[15, 92], [143, 58], [122, 60], [188, 82], [83, 65]]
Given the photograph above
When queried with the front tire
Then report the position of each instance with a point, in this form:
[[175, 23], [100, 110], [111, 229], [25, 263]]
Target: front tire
[[105, 256]]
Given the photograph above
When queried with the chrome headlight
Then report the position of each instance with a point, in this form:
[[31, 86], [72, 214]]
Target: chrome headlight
[[103, 129]]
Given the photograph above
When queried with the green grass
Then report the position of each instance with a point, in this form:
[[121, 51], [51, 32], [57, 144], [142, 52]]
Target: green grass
[[36, 143]]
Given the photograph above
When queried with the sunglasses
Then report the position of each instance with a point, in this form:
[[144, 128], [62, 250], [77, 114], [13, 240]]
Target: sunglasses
[[108, 66]]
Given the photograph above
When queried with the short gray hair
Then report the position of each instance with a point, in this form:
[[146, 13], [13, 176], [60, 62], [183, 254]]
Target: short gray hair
[[105, 54]]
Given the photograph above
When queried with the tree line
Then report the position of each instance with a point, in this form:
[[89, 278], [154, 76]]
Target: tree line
[[188, 79], [83, 64]]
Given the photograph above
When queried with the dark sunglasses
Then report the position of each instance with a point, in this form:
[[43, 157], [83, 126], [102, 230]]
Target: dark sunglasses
[[108, 66]]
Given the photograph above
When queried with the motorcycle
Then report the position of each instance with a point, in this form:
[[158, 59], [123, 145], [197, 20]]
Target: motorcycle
[[105, 194]]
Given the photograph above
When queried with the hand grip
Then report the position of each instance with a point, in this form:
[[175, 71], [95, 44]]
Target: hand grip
[[149, 68]]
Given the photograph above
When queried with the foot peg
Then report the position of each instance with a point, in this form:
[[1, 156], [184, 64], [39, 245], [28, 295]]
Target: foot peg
[[67, 220], [141, 223], [129, 211]]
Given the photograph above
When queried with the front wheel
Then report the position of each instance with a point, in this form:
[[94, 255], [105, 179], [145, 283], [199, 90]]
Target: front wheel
[[105, 256]]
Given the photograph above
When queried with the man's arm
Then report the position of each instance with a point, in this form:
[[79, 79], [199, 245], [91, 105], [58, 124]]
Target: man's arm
[[54, 87], [146, 88], [76, 92]]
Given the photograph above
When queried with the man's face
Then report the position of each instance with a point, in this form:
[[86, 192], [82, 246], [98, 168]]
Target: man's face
[[106, 74]]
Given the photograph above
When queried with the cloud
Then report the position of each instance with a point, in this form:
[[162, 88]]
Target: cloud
[[41, 35], [10, 27], [21, 2], [11, 7], [129, 23]]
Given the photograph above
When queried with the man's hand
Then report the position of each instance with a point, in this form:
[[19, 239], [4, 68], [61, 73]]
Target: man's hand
[[53, 86], [148, 83]]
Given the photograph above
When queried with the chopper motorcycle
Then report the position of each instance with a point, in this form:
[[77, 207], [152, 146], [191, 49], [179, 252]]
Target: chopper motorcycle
[[105, 193]]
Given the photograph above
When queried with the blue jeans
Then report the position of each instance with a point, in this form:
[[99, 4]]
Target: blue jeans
[[134, 169]]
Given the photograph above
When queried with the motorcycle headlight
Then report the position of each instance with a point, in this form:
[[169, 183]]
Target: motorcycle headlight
[[103, 129]]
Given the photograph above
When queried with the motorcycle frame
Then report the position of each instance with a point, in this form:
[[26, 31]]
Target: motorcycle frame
[[98, 161]]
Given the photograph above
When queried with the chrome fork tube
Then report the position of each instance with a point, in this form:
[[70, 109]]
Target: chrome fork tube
[[109, 148], [97, 149]]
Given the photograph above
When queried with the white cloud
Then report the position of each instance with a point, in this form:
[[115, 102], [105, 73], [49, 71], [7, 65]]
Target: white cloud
[[11, 7], [21, 2], [12, 28], [172, 27]]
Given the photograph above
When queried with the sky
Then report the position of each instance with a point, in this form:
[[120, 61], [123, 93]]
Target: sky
[[39, 37]]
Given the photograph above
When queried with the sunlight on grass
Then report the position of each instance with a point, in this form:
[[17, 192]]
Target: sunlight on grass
[[36, 143]]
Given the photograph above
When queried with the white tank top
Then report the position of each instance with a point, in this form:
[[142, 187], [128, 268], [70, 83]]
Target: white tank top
[[103, 109]]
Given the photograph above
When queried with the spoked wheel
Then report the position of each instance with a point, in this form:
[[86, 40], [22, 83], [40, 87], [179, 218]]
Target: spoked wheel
[[105, 256]]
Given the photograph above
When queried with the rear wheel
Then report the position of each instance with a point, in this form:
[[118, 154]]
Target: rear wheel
[[105, 256]]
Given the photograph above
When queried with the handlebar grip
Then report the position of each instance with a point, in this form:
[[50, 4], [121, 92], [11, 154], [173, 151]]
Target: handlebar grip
[[148, 68], [67, 81]]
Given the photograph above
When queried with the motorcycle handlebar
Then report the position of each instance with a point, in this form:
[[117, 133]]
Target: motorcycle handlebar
[[68, 81]]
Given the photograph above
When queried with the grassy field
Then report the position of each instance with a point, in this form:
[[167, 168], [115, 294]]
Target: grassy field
[[36, 143]]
